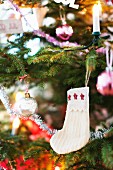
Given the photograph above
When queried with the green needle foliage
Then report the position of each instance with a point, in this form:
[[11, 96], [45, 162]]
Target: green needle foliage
[[96, 154]]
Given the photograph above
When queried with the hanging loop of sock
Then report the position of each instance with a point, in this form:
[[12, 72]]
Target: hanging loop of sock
[[88, 73]]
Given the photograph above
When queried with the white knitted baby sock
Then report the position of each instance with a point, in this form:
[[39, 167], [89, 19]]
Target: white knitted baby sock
[[75, 132]]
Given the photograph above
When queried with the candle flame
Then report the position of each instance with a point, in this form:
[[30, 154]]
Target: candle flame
[[100, 7], [17, 15], [19, 95], [95, 9]]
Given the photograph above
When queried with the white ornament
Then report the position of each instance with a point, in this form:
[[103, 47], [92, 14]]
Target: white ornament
[[26, 107], [75, 132]]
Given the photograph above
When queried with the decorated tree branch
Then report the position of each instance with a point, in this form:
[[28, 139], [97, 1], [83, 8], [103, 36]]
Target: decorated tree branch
[[75, 58]]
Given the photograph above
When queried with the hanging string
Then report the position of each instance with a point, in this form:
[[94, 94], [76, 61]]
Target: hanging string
[[23, 78], [88, 73], [62, 15]]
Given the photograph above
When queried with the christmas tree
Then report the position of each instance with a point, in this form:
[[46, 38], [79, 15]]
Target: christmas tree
[[49, 51]]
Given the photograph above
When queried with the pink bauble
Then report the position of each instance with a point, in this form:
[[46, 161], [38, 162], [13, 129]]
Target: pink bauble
[[105, 83], [64, 32], [109, 2]]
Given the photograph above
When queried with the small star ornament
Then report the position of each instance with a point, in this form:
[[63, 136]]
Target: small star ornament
[[75, 96], [82, 96], [26, 107], [69, 97]]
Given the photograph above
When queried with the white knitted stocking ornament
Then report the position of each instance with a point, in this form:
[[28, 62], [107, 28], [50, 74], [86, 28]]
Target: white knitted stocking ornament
[[75, 132]]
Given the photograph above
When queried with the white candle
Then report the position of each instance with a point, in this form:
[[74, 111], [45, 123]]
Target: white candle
[[96, 21], [15, 126]]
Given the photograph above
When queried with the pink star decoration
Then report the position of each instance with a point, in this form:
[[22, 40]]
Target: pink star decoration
[[82, 96], [75, 96]]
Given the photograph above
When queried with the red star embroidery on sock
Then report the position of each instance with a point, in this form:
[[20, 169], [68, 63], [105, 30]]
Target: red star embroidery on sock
[[75, 96], [82, 96], [69, 97]]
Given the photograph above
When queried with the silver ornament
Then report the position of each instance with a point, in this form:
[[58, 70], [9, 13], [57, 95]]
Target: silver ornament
[[26, 107]]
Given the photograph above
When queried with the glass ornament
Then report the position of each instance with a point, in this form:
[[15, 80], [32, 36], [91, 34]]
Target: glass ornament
[[64, 31], [26, 107], [105, 83]]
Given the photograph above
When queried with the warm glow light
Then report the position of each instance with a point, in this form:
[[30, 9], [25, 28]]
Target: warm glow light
[[17, 15], [100, 8], [19, 95], [16, 123], [57, 168], [83, 12], [95, 9]]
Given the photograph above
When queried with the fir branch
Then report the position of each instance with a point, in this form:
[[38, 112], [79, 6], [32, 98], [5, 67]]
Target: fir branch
[[18, 64], [107, 154]]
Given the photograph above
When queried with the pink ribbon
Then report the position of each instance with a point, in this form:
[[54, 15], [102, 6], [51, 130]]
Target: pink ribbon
[[27, 84]]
